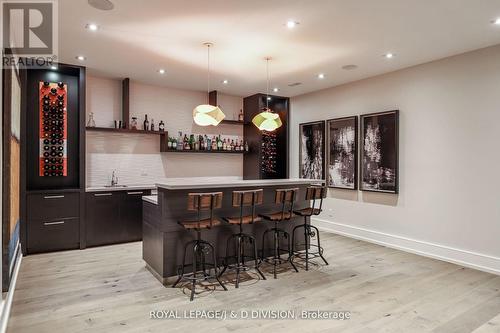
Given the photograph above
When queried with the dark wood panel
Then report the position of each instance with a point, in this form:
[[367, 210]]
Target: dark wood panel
[[126, 102], [131, 215], [53, 205], [53, 235], [102, 218]]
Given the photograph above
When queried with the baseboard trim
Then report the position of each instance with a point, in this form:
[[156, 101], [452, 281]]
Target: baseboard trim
[[7, 302], [461, 257]]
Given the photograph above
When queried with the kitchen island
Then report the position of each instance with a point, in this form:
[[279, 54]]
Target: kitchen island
[[164, 239]]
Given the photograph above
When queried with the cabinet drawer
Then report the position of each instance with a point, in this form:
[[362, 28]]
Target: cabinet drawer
[[53, 234], [53, 206]]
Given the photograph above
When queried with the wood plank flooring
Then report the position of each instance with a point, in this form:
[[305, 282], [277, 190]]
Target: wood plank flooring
[[108, 289]]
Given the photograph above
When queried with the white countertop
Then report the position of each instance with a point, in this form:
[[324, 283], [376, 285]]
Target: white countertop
[[216, 182], [151, 198], [120, 188]]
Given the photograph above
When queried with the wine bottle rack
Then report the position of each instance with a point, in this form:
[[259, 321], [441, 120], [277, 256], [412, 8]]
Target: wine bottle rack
[[53, 129]]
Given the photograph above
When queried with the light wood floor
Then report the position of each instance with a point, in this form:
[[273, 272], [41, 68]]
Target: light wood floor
[[108, 289]]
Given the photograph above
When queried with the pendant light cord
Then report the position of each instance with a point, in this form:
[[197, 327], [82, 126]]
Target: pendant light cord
[[208, 74], [267, 87]]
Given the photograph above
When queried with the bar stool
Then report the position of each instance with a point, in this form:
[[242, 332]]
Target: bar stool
[[285, 198], [201, 202], [313, 193], [242, 199]]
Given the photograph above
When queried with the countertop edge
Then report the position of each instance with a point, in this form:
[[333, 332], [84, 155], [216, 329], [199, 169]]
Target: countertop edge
[[240, 183], [113, 189]]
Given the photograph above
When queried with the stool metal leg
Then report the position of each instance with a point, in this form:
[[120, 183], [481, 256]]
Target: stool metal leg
[[214, 256], [290, 253], [195, 259], [256, 258], [320, 249], [306, 239], [276, 252], [238, 256], [183, 264]]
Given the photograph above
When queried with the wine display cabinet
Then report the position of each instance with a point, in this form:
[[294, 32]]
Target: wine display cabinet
[[52, 158], [268, 156]]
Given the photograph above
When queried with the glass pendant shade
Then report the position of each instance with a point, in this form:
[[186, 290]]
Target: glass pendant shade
[[206, 115], [267, 120]]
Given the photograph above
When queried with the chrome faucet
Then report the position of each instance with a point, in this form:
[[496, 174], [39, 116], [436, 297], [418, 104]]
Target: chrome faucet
[[114, 179]]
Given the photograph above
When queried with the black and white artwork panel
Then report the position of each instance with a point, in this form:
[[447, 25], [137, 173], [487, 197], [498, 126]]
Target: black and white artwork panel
[[342, 152], [312, 150], [379, 154]]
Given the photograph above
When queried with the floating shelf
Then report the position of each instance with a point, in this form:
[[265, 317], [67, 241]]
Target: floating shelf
[[232, 122], [124, 130], [204, 151]]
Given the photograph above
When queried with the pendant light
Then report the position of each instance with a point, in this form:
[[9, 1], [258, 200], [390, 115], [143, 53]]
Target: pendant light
[[206, 114], [267, 120]]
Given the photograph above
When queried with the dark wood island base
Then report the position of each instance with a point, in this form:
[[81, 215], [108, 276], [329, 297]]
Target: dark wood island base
[[164, 239]]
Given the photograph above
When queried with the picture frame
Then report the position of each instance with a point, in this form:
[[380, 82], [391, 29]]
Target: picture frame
[[342, 152], [379, 153], [312, 150]]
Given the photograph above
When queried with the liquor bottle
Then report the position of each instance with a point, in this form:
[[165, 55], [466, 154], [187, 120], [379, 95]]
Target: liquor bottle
[[237, 148], [219, 143], [174, 143], [161, 126], [214, 143], [208, 143], [152, 124], [191, 141], [179, 141], [169, 143], [146, 123], [232, 145], [246, 146], [240, 116], [196, 143], [186, 143]]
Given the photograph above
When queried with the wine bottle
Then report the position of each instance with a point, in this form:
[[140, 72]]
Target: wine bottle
[[146, 123], [161, 126], [152, 124], [241, 116], [180, 142]]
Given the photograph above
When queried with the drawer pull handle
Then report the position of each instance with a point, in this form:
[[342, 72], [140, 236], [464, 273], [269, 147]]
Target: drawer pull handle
[[53, 197], [130, 193], [53, 223], [103, 194]]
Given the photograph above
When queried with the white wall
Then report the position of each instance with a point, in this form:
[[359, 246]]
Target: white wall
[[448, 206], [136, 157]]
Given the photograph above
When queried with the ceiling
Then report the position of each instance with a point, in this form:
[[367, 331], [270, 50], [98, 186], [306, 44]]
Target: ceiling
[[137, 38]]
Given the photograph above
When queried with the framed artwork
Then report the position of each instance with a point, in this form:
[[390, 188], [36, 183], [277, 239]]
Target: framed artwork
[[11, 172], [312, 150], [379, 152], [342, 167]]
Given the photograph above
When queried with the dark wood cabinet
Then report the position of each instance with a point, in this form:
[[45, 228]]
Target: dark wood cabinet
[[53, 221], [113, 217], [102, 218], [254, 160]]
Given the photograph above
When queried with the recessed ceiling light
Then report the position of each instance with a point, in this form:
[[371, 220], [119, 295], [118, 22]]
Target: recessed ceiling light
[[291, 24], [161, 71], [349, 67], [321, 76], [92, 26], [81, 58], [496, 21], [225, 81], [101, 4], [275, 89], [389, 55], [54, 68]]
